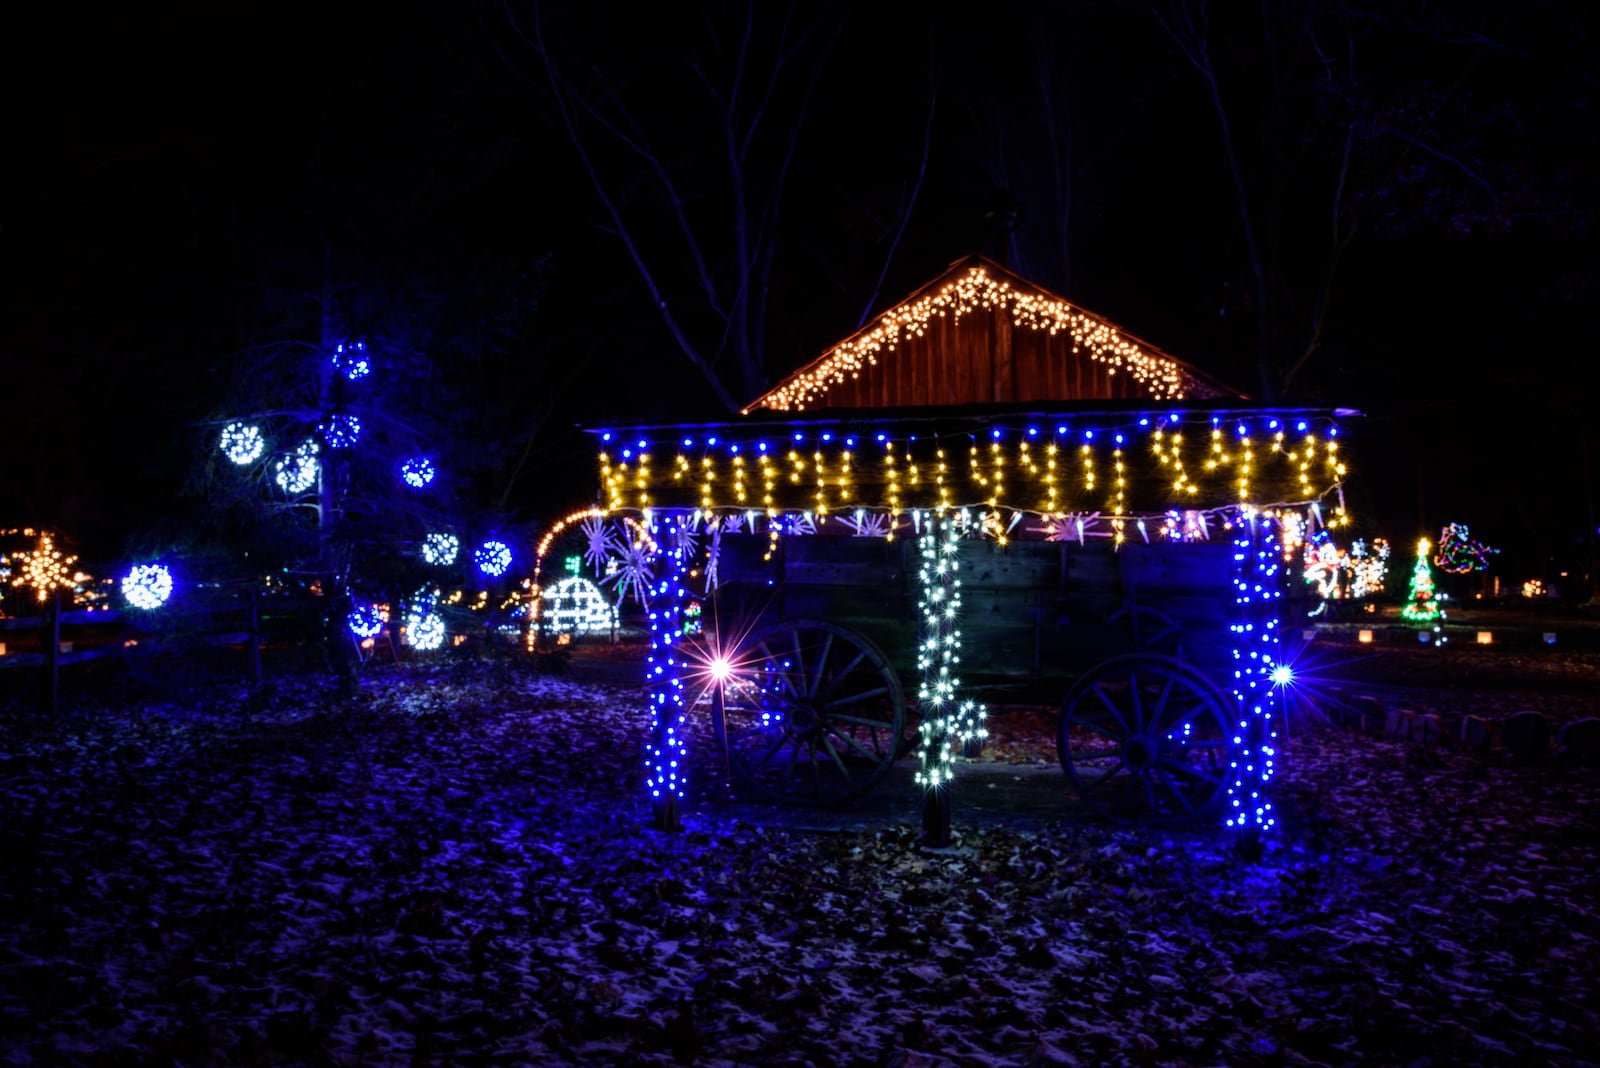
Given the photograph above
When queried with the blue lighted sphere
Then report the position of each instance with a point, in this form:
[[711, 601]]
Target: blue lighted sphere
[[417, 472], [243, 443], [493, 558], [147, 586], [350, 359], [365, 621], [341, 431], [440, 549]]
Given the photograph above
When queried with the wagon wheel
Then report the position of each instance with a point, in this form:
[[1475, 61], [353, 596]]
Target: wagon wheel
[[1145, 737], [812, 715]]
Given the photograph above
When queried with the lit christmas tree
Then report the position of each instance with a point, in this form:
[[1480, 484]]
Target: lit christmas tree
[[1423, 608]]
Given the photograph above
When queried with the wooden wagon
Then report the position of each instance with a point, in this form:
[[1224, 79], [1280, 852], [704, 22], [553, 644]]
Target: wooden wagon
[[988, 491]]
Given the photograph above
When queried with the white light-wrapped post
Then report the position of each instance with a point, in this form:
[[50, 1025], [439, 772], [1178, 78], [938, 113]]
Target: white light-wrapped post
[[947, 723]]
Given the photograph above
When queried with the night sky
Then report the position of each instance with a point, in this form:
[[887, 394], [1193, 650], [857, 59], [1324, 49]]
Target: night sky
[[174, 177]]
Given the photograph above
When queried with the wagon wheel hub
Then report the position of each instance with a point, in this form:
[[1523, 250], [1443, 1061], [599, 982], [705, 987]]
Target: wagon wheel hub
[[1141, 753], [801, 720]]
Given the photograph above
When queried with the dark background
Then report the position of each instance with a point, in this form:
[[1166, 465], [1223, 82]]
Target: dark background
[[171, 173]]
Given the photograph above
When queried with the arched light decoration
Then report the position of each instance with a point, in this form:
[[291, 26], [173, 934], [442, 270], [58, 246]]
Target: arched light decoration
[[242, 443], [575, 606], [350, 360], [297, 472], [1162, 376], [341, 431], [366, 620], [440, 549], [493, 558], [417, 472], [147, 585]]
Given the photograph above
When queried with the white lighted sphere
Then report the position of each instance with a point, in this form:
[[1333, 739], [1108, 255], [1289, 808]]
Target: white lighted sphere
[[365, 621], [243, 443], [440, 549], [147, 586], [417, 472], [297, 472], [425, 631], [493, 558]]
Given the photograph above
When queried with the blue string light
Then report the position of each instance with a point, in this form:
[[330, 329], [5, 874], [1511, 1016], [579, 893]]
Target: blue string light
[[147, 586], [1257, 584], [493, 558], [666, 762]]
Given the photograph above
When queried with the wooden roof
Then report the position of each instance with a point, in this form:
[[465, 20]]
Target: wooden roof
[[980, 334]]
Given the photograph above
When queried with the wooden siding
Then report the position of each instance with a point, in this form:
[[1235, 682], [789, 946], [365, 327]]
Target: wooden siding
[[980, 358]]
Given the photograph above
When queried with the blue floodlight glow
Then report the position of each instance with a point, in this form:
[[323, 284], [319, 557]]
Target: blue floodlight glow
[[440, 549], [417, 472], [243, 443], [493, 558], [297, 472], [341, 431], [365, 621], [147, 586], [350, 359]]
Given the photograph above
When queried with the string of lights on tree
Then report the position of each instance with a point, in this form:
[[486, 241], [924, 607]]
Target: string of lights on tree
[[1257, 673], [1422, 604]]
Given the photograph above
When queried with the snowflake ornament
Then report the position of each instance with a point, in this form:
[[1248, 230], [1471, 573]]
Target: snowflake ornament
[[632, 572], [603, 542]]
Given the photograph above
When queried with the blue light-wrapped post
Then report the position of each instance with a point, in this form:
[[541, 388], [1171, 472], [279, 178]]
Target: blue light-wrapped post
[[666, 763], [1258, 592]]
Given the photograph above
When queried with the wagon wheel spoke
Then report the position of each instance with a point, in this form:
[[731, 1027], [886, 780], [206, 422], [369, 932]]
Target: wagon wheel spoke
[[822, 661], [828, 699], [1168, 761]]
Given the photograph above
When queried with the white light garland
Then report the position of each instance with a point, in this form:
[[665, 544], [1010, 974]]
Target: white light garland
[[493, 558], [297, 472], [440, 549], [147, 586], [242, 443], [948, 724], [1162, 377]]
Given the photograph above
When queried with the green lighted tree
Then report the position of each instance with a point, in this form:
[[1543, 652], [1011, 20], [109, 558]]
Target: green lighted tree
[[1423, 607]]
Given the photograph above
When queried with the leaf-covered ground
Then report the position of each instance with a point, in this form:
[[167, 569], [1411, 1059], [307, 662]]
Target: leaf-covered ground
[[459, 869]]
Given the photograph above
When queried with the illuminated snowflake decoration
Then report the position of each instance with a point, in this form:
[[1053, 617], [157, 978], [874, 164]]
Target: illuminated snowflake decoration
[[633, 571], [440, 549], [366, 620], [576, 606], [603, 542], [350, 360], [297, 472], [417, 472], [243, 443], [44, 569], [867, 524], [341, 431], [493, 558], [147, 586]]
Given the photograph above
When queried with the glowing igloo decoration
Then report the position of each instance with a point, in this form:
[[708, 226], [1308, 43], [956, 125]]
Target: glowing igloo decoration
[[424, 630], [576, 606], [440, 550], [297, 472], [341, 431], [417, 472], [493, 558], [242, 443], [350, 359], [366, 620], [147, 586]]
